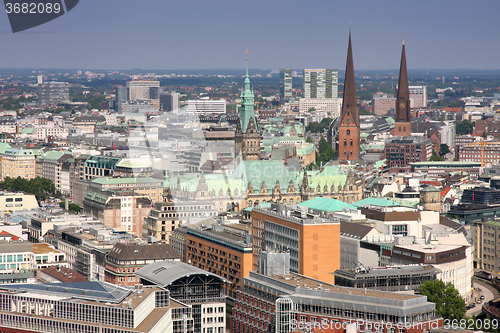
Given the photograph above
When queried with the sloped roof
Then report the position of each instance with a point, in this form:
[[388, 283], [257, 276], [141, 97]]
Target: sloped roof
[[149, 251], [354, 230], [53, 155], [166, 272], [3, 147], [118, 181], [64, 274]]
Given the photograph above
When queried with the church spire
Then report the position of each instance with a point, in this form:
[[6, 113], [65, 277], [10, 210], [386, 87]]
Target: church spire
[[350, 104], [349, 128]]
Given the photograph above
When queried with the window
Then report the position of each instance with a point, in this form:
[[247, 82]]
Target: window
[[345, 142], [351, 142], [348, 132]]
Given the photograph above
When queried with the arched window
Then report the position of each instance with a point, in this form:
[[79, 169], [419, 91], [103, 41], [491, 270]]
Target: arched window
[[345, 142], [348, 132]]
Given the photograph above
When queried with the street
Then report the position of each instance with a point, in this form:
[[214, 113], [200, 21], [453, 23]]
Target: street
[[487, 290]]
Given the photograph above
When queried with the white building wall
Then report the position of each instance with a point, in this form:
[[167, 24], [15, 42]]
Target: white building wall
[[144, 309], [213, 315]]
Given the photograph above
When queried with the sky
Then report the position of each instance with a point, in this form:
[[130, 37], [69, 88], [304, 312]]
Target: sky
[[213, 34]]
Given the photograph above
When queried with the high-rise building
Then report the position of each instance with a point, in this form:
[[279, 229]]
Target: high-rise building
[[349, 129], [121, 96], [321, 83], [169, 102], [286, 85], [312, 241], [247, 137], [206, 106], [403, 114], [418, 96], [50, 93], [143, 89]]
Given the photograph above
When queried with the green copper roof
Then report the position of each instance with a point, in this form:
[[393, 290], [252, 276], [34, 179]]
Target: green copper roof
[[247, 105], [27, 130], [326, 205], [53, 155], [3, 147], [306, 149], [381, 202]]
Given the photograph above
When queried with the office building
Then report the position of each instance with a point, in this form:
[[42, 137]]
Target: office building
[[445, 168], [169, 102], [162, 220], [383, 103], [143, 90], [121, 95], [313, 241], [52, 93], [286, 90], [418, 96], [16, 201], [125, 259], [403, 112], [400, 152], [18, 163], [201, 290], [281, 301], [118, 209], [91, 307], [225, 250], [329, 106], [349, 129], [206, 106], [321, 83], [397, 279]]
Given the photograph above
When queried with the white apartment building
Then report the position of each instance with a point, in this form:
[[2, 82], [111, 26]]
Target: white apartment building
[[330, 106], [206, 106]]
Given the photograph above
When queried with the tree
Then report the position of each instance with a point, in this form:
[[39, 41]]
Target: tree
[[71, 206], [444, 149], [464, 127], [435, 157], [326, 152], [311, 109], [484, 135], [309, 140], [449, 303]]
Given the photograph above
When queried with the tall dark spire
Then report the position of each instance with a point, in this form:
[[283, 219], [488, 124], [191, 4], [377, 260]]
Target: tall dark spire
[[349, 129], [350, 105], [403, 97]]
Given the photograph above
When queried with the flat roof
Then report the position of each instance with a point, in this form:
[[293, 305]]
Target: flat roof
[[304, 282], [391, 271]]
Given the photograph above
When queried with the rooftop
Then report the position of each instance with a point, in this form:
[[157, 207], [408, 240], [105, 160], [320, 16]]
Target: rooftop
[[132, 251], [44, 248], [166, 272], [390, 271]]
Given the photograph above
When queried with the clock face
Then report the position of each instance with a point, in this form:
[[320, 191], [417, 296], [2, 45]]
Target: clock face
[[402, 104], [348, 120]]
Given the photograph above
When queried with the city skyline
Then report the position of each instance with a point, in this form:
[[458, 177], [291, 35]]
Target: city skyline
[[214, 35]]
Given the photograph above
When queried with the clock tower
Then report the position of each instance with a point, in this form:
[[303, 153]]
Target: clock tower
[[349, 130], [403, 114]]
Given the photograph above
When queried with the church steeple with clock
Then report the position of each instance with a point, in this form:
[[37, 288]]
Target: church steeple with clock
[[403, 115], [349, 130]]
